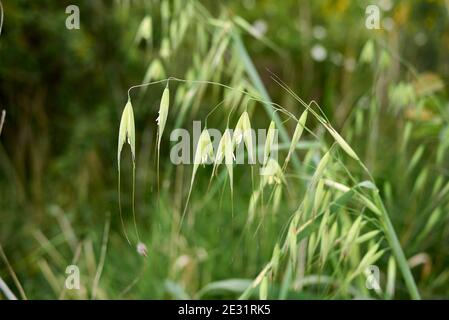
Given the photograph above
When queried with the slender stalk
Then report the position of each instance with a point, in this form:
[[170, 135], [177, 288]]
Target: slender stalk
[[104, 247], [1, 17], [6, 291], [394, 243], [398, 252], [2, 120], [13, 274]]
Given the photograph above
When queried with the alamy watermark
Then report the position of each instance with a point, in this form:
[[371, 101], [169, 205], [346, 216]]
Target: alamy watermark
[[372, 281], [373, 17], [72, 281], [73, 20]]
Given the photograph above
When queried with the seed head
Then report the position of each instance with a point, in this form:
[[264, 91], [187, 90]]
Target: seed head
[[142, 249]]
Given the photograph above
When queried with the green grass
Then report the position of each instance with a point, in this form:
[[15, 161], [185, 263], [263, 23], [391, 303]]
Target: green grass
[[364, 181]]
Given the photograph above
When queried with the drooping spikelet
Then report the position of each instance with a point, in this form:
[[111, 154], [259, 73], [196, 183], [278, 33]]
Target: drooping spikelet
[[243, 133]]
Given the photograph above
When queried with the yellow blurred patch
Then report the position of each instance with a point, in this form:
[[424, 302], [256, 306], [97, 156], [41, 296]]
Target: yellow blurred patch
[[416, 114], [427, 83], [401, 13], [336, 7]]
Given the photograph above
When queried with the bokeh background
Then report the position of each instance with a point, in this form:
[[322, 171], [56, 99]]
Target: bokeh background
[[64, 91]]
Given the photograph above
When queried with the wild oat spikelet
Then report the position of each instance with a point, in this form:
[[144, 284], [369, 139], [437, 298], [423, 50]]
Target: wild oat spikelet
[[127, 131], [145, 30], [342, 142], [296, 136], [272, 173], [204, 152], [163, 113], [225, 151], [269, 142], [367, 55], [243, 133], [126, 134], [155, 71]]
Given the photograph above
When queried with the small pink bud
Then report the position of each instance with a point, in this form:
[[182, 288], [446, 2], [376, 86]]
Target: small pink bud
[[142, 249]]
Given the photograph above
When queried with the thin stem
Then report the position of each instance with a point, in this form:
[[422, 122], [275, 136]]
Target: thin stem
[[6, 291], [1, 17], [13, 274], [395, 244], [120, 207], [2, 120], [104, 247], [398, 252], [133, 201]]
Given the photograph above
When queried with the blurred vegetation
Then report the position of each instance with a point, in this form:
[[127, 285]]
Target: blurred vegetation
[[64, 92]]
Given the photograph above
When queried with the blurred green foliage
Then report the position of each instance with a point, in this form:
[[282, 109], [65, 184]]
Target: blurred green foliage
[[64, 90]]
